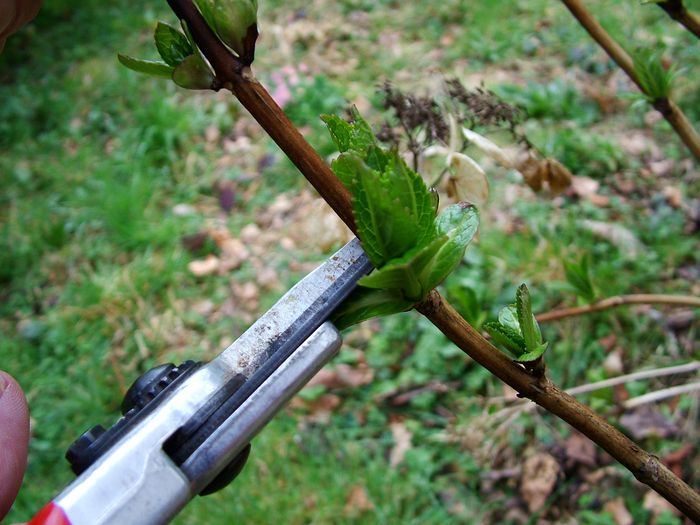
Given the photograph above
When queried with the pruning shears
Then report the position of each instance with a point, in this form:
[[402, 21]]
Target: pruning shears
[[186, 430]]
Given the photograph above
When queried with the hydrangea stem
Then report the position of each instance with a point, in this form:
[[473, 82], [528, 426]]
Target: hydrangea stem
[[670, 111], [253, 96]]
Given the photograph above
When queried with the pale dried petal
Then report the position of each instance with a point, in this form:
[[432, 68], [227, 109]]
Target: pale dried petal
[[455, 142], [498, 154], [435, 149], [468, 181]]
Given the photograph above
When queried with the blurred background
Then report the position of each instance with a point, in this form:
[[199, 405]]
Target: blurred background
[[141, 223]]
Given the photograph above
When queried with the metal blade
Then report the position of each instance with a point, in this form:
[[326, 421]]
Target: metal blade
[[298, 313]]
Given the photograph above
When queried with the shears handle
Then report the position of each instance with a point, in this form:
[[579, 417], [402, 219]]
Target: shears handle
[[51, 514]]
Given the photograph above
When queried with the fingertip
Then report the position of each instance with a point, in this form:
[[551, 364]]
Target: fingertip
[[14, 440]]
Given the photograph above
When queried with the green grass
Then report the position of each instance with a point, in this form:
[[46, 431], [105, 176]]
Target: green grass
[[94, 279]]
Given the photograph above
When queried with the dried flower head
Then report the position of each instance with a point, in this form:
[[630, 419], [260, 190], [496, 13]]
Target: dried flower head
[[482, 107], [416, 113]]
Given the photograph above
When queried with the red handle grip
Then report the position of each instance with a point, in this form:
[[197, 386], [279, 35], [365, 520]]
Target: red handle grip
[[51, 514]]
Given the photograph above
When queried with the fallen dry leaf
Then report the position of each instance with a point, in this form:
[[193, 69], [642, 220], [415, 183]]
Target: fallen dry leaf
[[634, 143], [613, 363], [587, 188], [677, 459], [673, 195], [203, 307], [357, 501], [319, 227], [233, 253], [656, 504], [246, 295], [343, 376], [617, 234], [579, 450], [584, 186], [319, 409], [648, 421], [619, 512], [662, 168], [194, 242], [538, 479], [204, 267], [267, 278], [227, 196], [250, 233], [402, 442]]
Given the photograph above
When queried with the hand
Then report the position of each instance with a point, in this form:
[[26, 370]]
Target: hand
[[14, 438], [14, 14]]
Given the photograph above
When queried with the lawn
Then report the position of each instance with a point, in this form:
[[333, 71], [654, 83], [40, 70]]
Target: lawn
[[116, 189]]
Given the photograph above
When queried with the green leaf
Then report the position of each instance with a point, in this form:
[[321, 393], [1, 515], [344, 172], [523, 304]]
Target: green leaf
[[172, 45], [362, 136], [424, 267], [230, 20], [533, 355], [508, 316], [193, 73], [156, 69], [365, 303], [459, 223], [656, 81], [394, 210], [339, 130], [188, 35], [345, 166], [376, 158], [411, 195], [469, 304], [528, 324], [579, 277], [506, 337], [356, 135], [404, 276]]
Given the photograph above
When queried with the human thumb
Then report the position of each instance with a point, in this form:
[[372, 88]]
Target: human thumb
[[14, 439]]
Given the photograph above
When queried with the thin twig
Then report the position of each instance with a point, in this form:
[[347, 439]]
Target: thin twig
[[680, 14], [646, 467], [618, 300], [671, 112], [659, 395], [687, 368], [635, 376], [252, 95]]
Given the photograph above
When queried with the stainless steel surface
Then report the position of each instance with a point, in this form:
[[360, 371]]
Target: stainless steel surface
[[135, 481], [302, 302], [256, 411]]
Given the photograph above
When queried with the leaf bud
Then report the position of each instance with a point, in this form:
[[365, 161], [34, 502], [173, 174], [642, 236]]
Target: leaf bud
[[231, 20], [193, 73]]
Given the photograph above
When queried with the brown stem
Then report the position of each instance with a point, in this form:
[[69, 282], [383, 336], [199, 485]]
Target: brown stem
[[671, 112], [646, 467], [680, 14], [258, 102], [618, 300]]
